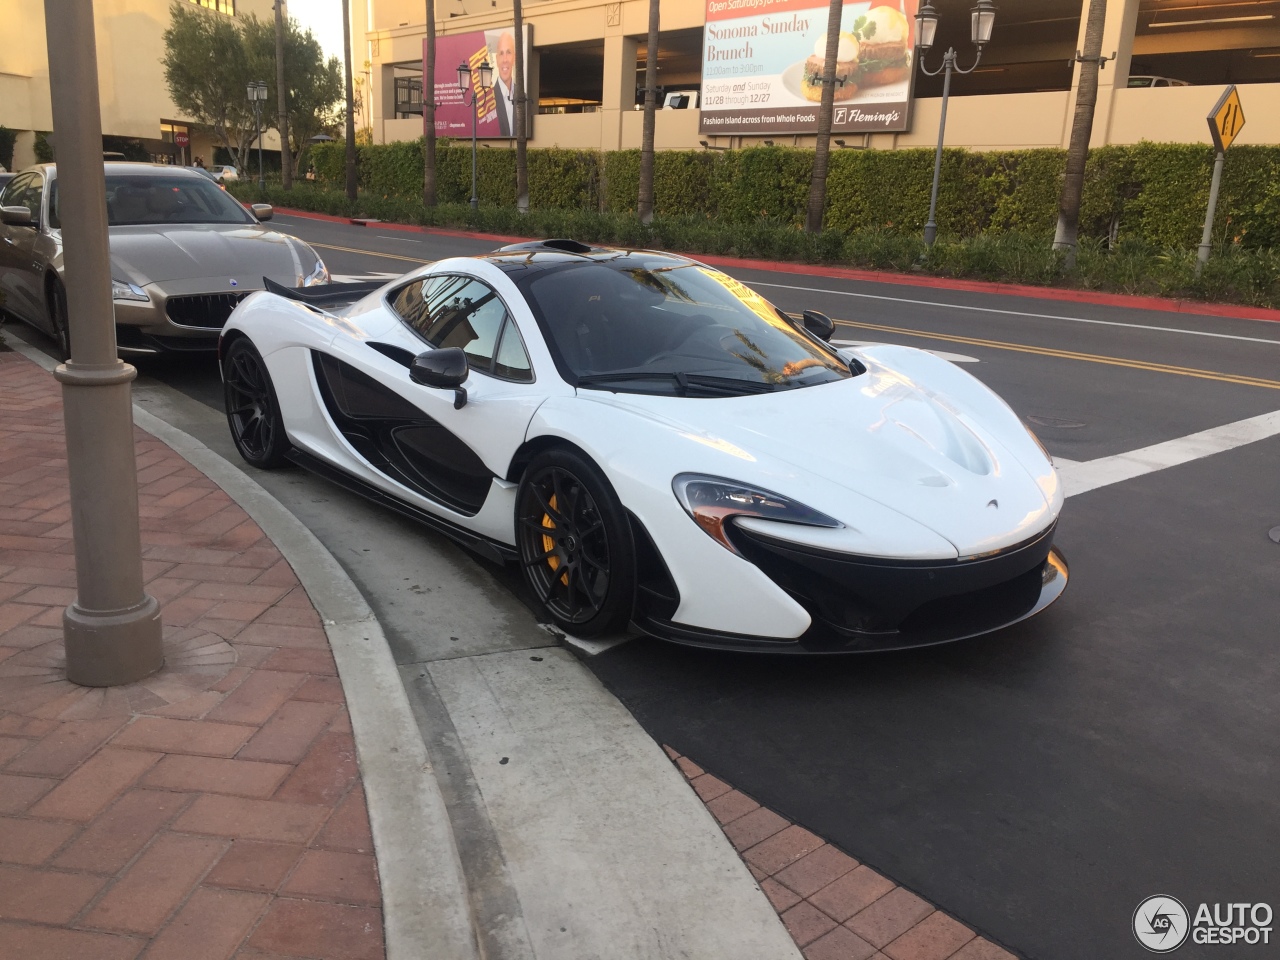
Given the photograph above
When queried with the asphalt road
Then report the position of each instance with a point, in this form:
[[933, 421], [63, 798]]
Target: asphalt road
[[1041, 782]]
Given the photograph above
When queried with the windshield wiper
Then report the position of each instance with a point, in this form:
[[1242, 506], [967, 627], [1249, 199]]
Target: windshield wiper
[[683, 382]]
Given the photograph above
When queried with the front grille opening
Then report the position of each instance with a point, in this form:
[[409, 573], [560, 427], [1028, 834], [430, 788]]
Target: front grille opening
[[206, 310]]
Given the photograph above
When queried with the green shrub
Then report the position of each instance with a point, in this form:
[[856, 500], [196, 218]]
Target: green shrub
[[1236, 273], [761, 183], [43, 149], [7, 139], [563, 179], [1149, 193]]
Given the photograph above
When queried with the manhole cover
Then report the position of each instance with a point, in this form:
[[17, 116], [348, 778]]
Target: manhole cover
[[1040, 421], [1274, 534]]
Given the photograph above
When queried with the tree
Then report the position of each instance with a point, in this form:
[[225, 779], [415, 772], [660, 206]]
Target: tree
[[313, 85], [351, 107], [282, 101], [822, 150], [521, 111], [206, 67], [429, 110], [1068, 230], [209, 61], [644, 202]]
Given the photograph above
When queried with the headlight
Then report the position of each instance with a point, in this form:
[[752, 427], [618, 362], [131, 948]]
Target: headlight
[[120, 290], [712, 501], [319, 275]]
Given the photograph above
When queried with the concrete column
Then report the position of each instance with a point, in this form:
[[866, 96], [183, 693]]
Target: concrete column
[[112, 630], [619, 88], [1117, 38]]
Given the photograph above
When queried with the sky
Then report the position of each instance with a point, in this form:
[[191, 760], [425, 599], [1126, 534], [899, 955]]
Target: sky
[[324, 19]]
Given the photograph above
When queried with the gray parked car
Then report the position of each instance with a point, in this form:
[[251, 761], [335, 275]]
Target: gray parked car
[[183, 254]]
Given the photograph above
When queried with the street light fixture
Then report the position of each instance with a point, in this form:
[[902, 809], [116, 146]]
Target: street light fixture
[[982, 20], [257, 92], [465, 83]]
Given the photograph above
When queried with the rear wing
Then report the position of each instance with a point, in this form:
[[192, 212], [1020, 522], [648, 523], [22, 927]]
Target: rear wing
[[325, 294]]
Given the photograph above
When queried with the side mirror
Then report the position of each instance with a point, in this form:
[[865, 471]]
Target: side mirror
[[446, 368], [819, 324], [16, 216], [263, 211]]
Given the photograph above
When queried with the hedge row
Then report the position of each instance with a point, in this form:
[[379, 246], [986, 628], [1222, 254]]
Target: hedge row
[[1151, 193], [1235, 274]]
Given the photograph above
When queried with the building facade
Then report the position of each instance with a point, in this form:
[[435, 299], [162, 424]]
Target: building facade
[[1168, 62], [131, 86]]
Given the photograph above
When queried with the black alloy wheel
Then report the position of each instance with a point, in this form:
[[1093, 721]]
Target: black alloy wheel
[[575, 544], [58, 316], [253, 413]]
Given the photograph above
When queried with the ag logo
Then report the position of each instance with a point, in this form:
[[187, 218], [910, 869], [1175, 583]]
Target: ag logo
[[1161, 924]]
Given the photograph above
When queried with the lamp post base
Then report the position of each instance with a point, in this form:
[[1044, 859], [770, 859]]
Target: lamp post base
[[930, 233], [475, 203], [109, 648]]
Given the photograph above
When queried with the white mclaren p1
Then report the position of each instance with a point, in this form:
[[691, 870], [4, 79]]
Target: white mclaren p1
[[657, 446]]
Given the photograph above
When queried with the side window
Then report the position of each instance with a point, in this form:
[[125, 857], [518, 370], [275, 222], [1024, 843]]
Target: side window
[[410, 304], [452, 311], [32, 196], [15, 189], [512, 362]]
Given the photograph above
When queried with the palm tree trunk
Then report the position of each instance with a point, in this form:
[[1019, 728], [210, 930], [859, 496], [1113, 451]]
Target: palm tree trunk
[[282, 102], [351, 101], [521, 112], [1081, 131], [818, 182], [644, 202], [429, 110]]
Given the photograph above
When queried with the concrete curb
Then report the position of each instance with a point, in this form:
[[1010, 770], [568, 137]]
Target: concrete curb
[[425, 903]]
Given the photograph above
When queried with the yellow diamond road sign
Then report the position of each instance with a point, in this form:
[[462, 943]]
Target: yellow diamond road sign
[[1226, 119]]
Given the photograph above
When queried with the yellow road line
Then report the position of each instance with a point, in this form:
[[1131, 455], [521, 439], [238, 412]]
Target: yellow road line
[[368, 253], [1072, 355]]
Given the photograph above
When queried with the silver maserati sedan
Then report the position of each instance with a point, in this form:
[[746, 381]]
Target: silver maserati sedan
[[183, 254]]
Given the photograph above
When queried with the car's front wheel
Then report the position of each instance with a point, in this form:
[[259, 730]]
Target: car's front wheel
[[253, 413], [575, 544], [58, 318]]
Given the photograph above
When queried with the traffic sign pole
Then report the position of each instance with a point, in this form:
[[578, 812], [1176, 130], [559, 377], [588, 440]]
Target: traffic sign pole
[[1203, 256], [1226, 120]]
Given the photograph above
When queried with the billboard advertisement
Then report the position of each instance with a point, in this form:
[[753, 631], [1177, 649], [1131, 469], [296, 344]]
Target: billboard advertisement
[[762, 66], [494, 108]]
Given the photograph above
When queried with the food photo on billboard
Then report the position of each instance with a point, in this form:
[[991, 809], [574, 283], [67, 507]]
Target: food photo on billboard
[[762, 66], [495, 107]]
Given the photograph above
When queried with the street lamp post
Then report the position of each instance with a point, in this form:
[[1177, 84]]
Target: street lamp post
[[982, 19], [465, 84], [257, 91], [112, 629]]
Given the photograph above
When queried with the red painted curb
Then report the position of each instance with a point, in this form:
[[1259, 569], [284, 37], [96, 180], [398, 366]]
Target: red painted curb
[[1161, 304]]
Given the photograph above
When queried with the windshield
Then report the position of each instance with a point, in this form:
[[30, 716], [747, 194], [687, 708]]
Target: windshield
[[157, 198], [646, 324]]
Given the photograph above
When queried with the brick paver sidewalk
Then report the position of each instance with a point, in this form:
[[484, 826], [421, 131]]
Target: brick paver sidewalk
[[212, 811], [834, 907]]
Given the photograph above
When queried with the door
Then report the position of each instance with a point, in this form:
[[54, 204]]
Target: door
[[21, 276], [416, 435]]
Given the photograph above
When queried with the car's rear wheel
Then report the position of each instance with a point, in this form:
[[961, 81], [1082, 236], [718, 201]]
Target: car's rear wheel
[[58, 317], [575, 544], [253, 413]]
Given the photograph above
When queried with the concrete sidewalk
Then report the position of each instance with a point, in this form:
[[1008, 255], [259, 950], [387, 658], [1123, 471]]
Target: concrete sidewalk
[[213, 810]]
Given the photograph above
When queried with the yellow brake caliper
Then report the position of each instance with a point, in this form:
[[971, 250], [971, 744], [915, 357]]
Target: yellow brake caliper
[[548, 544]]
